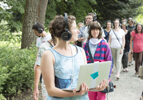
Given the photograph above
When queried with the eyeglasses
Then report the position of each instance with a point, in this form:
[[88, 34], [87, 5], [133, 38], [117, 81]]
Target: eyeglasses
[[88, 18]]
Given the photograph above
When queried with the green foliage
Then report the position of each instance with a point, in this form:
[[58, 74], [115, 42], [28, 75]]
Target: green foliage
[[51, 12], [16, 70], [111, 9], [139, 18], [105, 9], [3, 76], [6, 35], [13, 14], [80, 9], [2, 97]]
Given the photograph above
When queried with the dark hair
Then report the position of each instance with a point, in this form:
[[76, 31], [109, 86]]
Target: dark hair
[[130, 19], [109, 21], [93, 15], [38, 26], [95, 25], [57, 26], [136, 31]]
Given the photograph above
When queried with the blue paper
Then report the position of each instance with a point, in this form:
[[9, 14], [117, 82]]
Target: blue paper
[[94, 75]]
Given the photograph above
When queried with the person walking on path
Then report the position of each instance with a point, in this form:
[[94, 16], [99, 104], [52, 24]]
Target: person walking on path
[[130, 28], [107, 30], [44, 46], [60, 65], [126, 48], [100, 51], [137, 49], [117, 43], [83, 35], [43, 37]]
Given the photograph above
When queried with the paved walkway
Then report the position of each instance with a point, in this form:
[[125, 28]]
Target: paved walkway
[[129, 87]]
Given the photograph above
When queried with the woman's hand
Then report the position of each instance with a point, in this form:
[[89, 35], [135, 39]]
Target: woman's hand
[[82, 91], [121, 51], [102, 85], [131, 51], [36, 94]]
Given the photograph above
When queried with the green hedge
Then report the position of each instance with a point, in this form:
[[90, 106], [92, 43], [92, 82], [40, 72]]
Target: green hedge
[[16, 70]]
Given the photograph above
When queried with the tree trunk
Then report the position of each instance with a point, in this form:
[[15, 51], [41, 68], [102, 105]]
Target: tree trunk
[[42, 11], [34, 11]]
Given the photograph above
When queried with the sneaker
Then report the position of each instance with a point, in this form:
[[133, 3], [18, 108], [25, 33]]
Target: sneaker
[[126, 69], [117, 77], [123, 70], [129, 64]]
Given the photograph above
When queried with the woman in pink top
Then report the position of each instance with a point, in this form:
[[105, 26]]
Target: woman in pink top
[[137, 49]]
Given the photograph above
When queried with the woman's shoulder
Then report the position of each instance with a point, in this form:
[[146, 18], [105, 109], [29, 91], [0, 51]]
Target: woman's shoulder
[[103, 42], [133, 33], [48, 53]]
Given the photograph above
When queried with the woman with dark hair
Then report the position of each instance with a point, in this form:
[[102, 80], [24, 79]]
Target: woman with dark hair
[[61, 64], [117, 43], [107, 30], [137, 49], [100, 51]]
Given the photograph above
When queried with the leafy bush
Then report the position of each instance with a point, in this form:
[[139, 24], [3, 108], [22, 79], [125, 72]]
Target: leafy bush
[[2, 97], [16, 70], [6, 35]]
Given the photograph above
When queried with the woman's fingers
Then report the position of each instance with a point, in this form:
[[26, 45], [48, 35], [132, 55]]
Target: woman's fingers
[[102, 85], [74, 91], [83, 89]]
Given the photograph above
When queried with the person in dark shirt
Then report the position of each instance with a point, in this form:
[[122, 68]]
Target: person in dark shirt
[[130, 28], [107, 30], [126, 48]]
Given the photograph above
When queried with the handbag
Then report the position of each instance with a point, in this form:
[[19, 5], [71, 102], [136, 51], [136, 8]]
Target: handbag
[[111, 86]]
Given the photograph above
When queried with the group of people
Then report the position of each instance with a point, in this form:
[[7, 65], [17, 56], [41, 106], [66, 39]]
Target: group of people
[[123, 41], [58, 60]]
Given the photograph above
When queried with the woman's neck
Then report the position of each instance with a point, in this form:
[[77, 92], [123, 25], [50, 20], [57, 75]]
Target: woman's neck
[[116, 28], [108, 29], [61, 44], [125, 30]]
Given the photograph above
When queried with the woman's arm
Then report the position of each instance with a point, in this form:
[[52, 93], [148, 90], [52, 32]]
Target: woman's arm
[[47, 68], [123, 42], [109, 40], [108, 57], [37, 74], [131, 39]]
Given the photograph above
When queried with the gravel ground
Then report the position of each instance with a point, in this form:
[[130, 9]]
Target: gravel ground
[[129, 86]]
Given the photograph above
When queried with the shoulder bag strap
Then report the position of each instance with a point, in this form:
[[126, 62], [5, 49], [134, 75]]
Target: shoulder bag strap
[[117, 37], [90, 55]]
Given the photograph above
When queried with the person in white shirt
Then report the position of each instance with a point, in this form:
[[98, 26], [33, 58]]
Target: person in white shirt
[[117, 43], [43, 37]]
